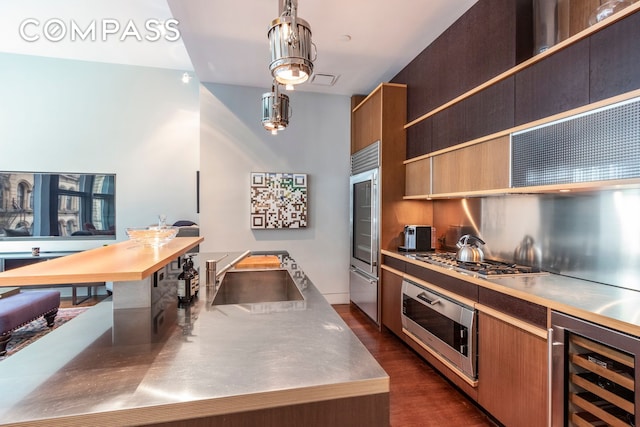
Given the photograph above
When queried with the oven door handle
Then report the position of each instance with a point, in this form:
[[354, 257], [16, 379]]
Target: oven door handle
[[423, 297]]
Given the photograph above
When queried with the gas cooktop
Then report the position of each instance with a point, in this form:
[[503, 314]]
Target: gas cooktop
[[486, 269]]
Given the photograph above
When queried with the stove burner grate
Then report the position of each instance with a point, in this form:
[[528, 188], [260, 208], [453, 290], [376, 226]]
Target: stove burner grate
[[486, 268]]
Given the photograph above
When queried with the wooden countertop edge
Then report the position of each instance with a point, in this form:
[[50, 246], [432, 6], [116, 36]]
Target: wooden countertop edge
[[603, 320], [171, 412], [40, 274], [170, 257]]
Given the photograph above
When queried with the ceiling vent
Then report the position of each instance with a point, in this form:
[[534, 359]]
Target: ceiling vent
[[324, 79]]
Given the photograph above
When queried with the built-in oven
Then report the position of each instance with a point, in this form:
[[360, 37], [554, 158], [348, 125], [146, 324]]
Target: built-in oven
[[442, 324]]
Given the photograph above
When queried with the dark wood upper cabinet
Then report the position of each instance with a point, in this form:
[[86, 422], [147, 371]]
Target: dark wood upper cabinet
[[486, 112], [558, 83], [490, 38], [448, 127], [419, 139], [490, 110], [615, 59]]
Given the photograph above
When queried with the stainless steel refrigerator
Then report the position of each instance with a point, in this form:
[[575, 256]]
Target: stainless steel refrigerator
[[365, 214]]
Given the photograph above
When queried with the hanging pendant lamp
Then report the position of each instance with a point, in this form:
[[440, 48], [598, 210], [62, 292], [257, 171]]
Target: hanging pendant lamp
[[275, 110], [291, 46]]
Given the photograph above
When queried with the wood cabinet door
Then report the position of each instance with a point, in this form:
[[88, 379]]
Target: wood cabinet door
[[419, 139], [512, 373], [392, 301], [367, 122], [483, 166], [418, 177], [482, 43], [615, 55], [483, 113], [558, 83]]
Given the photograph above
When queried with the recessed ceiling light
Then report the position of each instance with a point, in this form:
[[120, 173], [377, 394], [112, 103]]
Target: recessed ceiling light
[[345, 38]]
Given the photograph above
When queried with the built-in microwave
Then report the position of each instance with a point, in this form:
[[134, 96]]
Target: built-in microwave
[[444, 325]]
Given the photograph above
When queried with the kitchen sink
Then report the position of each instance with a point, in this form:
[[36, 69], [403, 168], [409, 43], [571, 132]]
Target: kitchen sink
[[256, 286]]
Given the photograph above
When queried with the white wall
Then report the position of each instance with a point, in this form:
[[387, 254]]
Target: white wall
[[140, 123], [233, 144]]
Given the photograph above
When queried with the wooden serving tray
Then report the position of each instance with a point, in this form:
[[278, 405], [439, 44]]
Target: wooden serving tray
[[259, 261]]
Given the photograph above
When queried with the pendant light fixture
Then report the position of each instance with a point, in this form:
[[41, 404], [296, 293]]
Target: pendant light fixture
[[291, 46], [275, 110]]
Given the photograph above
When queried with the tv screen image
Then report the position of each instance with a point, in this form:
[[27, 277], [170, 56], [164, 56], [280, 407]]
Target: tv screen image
[[57, 205]]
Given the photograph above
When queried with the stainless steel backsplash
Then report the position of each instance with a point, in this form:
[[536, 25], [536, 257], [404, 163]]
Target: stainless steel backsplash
[[593, 236]]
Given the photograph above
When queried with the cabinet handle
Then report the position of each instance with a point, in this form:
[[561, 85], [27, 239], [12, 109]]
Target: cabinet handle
[[424, 298]]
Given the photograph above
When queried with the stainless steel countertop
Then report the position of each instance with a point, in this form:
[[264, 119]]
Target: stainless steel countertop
[[118, 361], [611, 306]]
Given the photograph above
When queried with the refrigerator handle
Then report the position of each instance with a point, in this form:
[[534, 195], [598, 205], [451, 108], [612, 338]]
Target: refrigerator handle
[[362, 275], [375, 231]]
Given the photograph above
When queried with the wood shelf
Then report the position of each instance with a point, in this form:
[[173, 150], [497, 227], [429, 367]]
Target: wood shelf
[[601, 384], [620, 379], [616, 400], [591, 406], [618, 356]]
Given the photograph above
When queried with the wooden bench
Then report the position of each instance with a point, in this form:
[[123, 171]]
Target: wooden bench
[[22, 308]]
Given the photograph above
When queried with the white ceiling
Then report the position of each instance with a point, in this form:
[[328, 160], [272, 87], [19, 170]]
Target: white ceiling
[[226, 41]]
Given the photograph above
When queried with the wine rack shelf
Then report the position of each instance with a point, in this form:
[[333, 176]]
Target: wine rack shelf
[[601, 384]]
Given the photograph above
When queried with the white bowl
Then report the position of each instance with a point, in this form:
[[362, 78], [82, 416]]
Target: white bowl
[[152, 236]]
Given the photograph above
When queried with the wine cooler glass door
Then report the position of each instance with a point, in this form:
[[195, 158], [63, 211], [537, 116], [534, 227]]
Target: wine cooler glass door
[[364, 222]]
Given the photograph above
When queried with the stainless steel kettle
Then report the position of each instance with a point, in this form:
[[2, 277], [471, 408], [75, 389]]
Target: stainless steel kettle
[[527, 253], [468, 249]]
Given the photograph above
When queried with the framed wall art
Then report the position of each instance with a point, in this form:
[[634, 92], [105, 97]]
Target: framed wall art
[[278, 200]]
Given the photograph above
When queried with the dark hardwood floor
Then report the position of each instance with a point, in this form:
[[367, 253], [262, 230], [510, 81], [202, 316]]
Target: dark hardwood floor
[[419, 396]]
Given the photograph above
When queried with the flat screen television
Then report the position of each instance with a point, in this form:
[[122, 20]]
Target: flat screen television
[[36, 205]]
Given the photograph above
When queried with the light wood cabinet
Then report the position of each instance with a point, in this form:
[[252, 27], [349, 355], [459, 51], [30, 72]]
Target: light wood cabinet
[[367, 122], [478, 167], [381, 117], [392, 300], [512, 373], [418, 177]]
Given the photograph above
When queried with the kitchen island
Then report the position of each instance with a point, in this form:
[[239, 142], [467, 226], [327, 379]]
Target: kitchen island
[[202, 364], [129, 266]]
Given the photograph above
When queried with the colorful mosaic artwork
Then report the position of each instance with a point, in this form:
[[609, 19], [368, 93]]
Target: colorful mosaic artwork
[[278, 200]]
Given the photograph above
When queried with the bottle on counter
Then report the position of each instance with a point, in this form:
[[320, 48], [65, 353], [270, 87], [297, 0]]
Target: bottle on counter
[[195, 281], [185, 280]]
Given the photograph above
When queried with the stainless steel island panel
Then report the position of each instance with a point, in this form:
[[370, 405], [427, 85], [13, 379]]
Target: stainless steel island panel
[[164, 363]]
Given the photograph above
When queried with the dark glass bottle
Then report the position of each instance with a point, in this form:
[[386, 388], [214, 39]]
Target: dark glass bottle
[[195, 281], [184, 284]]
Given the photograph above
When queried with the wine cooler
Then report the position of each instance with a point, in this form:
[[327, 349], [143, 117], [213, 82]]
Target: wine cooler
[[594, 377]]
